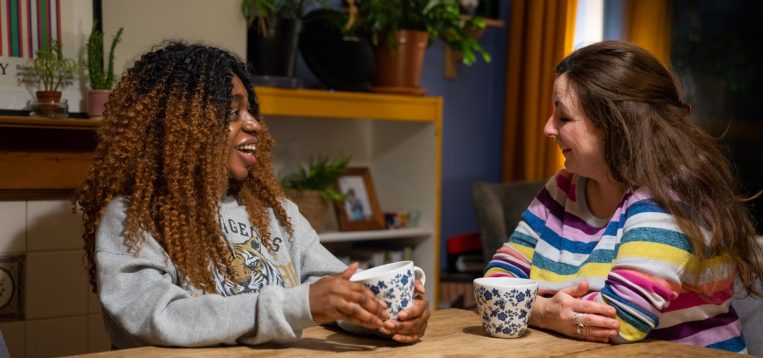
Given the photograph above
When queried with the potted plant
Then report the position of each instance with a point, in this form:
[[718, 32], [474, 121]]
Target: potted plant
[[403, 29], [273, 35], [54, 72], [101, 79], [313, 187]]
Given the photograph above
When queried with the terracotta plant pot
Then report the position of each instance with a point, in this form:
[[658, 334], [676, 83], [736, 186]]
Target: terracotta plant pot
[[96, 102], [48, 102], [399, 70]]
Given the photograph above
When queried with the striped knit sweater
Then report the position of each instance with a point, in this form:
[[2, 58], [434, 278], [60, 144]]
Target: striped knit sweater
[[638, 261]]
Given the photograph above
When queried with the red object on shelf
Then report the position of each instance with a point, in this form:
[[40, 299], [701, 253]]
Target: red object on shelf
[[463, 243]]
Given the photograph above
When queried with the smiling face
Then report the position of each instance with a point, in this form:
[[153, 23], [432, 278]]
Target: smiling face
[[581, 142], [243, 134]]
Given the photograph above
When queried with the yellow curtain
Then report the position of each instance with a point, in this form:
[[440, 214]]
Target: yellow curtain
[[648, 25], [540, 35]]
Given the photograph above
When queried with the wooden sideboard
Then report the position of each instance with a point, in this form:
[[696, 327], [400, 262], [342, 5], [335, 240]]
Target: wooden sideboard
[[44, 158]]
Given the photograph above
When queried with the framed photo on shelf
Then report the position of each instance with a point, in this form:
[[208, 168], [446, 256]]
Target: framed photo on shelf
[[25, 26], [360, 209]]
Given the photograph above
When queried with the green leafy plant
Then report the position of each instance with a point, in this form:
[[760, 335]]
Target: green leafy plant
[[320, 174], [440, 18], [100, 78], [264, 11], [52, 69]]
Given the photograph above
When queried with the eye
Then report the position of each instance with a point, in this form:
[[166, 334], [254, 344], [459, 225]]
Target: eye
[[234, 113], [564, 119]]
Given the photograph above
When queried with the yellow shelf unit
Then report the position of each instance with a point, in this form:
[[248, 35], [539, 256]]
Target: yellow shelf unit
[[348, 105]]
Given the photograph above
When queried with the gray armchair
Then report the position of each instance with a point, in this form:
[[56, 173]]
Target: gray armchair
[[499, 207], [750, 311]]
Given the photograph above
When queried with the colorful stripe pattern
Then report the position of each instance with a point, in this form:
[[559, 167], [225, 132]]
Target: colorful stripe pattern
[[26, 25], [639, 262]]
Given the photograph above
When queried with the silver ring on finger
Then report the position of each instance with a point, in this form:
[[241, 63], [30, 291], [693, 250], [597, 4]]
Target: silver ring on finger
[[577, 317], [579, 328]]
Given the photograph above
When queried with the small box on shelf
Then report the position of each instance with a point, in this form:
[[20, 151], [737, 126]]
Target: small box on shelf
[[371, 256]]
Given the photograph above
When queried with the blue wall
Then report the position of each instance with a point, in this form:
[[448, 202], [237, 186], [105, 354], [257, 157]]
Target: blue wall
[[473, 107]]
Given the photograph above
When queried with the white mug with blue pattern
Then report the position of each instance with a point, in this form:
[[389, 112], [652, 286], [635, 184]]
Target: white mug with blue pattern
[[392, 283], [505, 304]]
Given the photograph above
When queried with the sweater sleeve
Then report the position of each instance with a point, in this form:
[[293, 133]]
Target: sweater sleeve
[[652, 259], [144, 305]]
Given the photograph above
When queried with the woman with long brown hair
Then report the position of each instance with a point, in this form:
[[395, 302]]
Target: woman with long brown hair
[[643, 232], [189, 240]]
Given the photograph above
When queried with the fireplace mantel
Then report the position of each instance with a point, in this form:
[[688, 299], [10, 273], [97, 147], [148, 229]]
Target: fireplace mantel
[[42, 157]]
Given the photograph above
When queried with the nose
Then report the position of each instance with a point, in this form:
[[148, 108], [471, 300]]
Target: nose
[[250, 124], [549, 130]]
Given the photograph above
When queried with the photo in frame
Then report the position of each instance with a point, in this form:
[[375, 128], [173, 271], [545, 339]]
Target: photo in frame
[[360, 208]]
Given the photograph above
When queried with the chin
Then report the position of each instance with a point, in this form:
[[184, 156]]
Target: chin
[[238, 175]]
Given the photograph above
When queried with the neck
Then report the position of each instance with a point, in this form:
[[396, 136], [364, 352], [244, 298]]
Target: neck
[[603, 196]]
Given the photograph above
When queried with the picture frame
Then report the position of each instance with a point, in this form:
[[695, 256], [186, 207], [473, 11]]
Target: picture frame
[[360, 209], [27, 25]]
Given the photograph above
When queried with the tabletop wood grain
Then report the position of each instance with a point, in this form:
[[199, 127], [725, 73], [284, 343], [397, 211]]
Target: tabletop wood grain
[[451, 333]]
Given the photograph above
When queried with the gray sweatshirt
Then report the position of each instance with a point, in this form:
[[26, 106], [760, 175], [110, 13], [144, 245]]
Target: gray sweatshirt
[[145, 302]]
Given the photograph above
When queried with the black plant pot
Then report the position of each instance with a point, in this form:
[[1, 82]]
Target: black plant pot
[[341, 62], [275, 53]]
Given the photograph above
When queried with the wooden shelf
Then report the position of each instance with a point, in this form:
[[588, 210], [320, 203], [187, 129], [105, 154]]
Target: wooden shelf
[[348, 236], [488, 21], [49, 123], [453, 57]]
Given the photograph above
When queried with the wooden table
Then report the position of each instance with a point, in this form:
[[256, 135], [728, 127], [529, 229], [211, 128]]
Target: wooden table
[[451, 332]]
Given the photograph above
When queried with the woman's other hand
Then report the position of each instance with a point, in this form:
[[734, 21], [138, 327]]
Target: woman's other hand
[[412, 322], [559, 312], [335, 297]]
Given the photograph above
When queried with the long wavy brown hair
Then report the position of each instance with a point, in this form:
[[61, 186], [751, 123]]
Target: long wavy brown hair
[[651, 142], [163, 146]]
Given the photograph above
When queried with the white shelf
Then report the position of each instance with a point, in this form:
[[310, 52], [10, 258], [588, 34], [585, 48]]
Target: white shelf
[[351, 236]]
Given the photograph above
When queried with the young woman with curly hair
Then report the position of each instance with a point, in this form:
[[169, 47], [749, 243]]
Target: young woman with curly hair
[[642, 234], [189, 240]]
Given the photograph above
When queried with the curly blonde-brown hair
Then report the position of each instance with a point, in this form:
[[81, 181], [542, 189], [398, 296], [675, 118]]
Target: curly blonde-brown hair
[[163, 146]]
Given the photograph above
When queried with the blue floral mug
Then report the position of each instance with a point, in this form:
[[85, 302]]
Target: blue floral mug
[[505, 304], [392, 283]]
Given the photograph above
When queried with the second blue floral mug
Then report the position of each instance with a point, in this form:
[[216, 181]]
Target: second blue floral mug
[[505, 304]]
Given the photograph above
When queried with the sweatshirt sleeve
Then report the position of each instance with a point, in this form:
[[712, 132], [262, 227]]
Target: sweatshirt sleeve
[[145, 305], [315, 260]]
